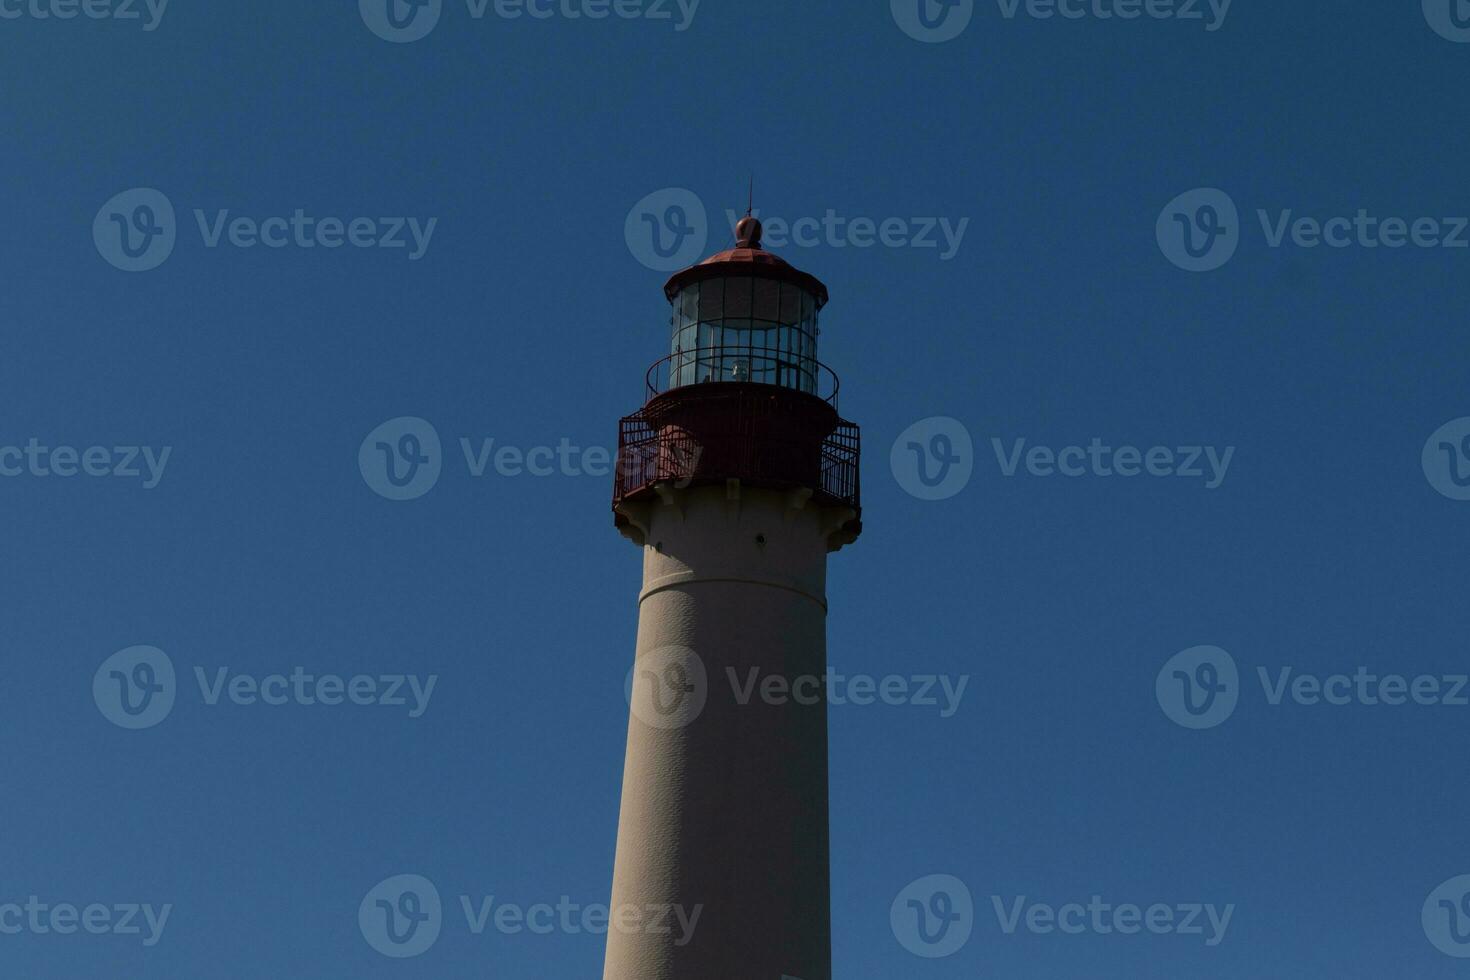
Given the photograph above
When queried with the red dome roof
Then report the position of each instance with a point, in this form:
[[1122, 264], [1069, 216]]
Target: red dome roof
[[747, 258]]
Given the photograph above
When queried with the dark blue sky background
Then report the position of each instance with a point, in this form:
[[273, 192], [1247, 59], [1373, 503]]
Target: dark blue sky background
[[529, 320]]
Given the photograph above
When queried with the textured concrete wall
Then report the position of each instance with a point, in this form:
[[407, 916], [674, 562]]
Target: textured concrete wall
[[724, 804]]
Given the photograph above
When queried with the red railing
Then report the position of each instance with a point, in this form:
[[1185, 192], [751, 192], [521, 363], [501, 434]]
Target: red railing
[[650, 454]]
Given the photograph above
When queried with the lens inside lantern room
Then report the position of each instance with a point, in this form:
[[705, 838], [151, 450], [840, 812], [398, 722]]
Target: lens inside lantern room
[[744, 329]]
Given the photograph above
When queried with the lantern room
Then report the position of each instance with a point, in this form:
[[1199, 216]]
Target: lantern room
[[741, 399], [744, 315]]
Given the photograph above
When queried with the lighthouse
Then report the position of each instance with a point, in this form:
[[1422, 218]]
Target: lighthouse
[[736, 479]]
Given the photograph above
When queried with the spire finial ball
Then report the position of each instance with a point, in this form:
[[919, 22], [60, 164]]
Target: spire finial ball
[[748, 233]]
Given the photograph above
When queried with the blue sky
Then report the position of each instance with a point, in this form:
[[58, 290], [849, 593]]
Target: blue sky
[[1060, 318]]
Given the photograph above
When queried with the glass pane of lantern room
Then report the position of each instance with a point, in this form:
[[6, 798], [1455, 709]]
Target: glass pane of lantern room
[[685, 344], [766, 301], [708, 364], [811, 368], [680, 369], [737, 297], [710, 304], [790, 304], [689, 302]]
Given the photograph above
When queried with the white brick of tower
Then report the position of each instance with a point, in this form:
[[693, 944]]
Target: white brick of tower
[[724, 806]]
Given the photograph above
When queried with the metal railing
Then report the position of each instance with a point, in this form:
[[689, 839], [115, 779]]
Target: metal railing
[[651, 453], [749, 364]]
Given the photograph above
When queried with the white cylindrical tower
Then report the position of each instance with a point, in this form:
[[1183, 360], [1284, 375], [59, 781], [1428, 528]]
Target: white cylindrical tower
[[737, 478]]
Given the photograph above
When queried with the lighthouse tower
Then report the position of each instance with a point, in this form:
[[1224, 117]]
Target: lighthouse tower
[[736, 478]]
